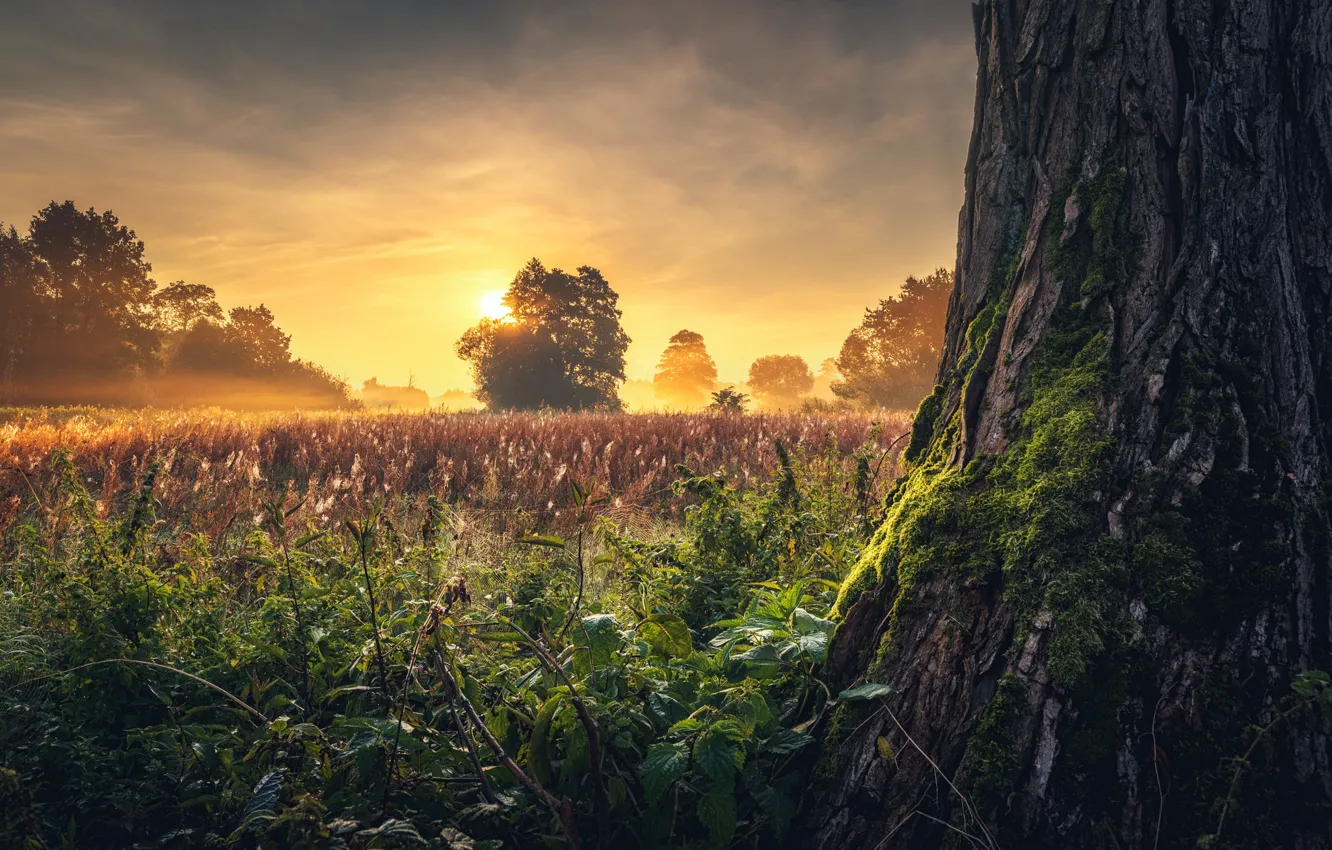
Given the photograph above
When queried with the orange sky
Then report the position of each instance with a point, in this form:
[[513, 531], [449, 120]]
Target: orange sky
[[757, 172]]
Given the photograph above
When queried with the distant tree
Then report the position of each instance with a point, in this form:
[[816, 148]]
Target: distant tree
[[82, 321], [246, 362], [375, 394], [560, 346], [95, 327], [686, 374], [180, 305], [779, 380], [892, 358], [824, 378], [254, 331], [728, 400], [20, 308]]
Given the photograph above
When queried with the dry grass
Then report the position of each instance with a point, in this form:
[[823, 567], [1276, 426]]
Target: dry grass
[[215, 466]]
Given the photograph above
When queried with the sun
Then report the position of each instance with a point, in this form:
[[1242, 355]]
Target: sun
[[492, 305]]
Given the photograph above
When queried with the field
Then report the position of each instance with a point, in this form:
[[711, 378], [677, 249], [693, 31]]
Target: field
[[367, 630]]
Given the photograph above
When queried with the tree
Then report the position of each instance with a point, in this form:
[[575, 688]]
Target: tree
[[686, 374], [94, 327], [560, 346], [82, 321], [180, 305], [20, 308], [728, 400], [1107, 564], [779, 380], [254, 333], [892, 358]]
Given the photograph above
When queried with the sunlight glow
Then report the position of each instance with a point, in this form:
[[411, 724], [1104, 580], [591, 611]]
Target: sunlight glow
[[492, 305]]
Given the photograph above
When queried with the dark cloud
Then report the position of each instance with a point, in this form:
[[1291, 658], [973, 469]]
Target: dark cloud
[[759, 171]]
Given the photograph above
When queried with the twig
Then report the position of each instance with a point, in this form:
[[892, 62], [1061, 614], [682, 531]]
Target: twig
[[1243, 760], [966, 804], [561, 808], [595, 754], [362, 533], [1156, 767]]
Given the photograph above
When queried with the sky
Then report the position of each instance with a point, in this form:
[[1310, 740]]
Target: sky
[[758, 171]]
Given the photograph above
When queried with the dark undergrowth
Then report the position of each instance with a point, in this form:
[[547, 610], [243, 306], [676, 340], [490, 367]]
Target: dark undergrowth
[[372, 684]]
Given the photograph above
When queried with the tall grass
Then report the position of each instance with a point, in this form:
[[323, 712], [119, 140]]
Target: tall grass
[[215, 468]]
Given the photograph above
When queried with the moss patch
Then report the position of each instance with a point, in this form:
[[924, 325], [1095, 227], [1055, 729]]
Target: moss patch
[[1026, 513], [990, 766], [1029, 513]]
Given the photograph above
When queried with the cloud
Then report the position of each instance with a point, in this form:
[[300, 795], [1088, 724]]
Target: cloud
[[757, 171]]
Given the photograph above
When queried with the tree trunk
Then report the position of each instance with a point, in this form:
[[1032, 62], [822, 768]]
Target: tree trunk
[[1108, 561]]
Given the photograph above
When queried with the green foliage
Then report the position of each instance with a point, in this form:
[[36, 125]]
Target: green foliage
[[728, 400], [922, 426], [990, 767], [346, 685]]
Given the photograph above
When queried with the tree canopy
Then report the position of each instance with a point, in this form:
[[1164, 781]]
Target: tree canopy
[[779, 380], [561, 345], [892, 358], [686, 373], [84, 322]]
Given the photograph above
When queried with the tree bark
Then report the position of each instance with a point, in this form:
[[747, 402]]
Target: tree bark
[[1108, 561]]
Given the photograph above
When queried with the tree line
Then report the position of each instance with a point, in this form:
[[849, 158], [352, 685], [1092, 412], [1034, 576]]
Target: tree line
[[562, 346], [83, 322]]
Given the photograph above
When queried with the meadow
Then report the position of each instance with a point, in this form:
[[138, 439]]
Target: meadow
[[464, 630]]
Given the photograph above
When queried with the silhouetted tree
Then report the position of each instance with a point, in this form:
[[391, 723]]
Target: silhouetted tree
[[253, 330], [561, 345], [19, 307], [779, 380], [93, 329], [181, 304], [82, 321], [686, 374], [728, 400], [892, 358]]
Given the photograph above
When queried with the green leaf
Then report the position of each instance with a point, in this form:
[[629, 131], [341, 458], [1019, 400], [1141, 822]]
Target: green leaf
[[390, 833], [761, 662], [664, 763], [716, 755], [667, 708], [865, 690], [538, 751], [262, 807], [814, 644], [542, 540], [598, 636], [807, 623], [667, 634], [498, 637], [716, 811], [787, 741], [309, 538], [579, 493], [884, 748]]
